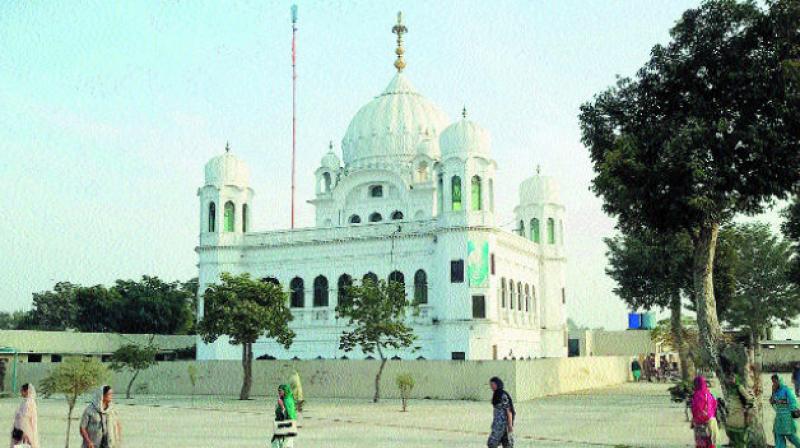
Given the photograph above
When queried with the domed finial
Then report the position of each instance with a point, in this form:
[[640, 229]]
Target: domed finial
[[538, 169], [464, 113], [399, 29], [227, 147], [330, 146]]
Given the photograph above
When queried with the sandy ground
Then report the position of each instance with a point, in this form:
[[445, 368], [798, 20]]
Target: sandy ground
[[631, 415]]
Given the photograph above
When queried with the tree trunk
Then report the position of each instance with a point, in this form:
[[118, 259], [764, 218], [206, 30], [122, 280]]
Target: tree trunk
[[378, 377], [130, 384], [676, 326], [247, 365], [712, 344], [758, 438], [71, 405]]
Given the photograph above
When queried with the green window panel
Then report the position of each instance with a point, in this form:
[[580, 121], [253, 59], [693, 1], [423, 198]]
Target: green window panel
[[476, 193], [230, 214], [551, 231], [212, 217], [535, 231], [455, 186]]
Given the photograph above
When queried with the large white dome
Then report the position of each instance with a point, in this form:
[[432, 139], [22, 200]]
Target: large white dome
[[227, 169], [388, 129], [539, 190]]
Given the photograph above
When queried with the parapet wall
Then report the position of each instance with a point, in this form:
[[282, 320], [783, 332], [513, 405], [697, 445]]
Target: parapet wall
[[444, 380]]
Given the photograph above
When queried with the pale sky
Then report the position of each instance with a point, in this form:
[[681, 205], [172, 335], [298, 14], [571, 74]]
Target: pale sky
[[109, 111]]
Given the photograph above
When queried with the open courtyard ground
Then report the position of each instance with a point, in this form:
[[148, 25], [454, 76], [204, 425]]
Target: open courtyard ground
[[630, 415]]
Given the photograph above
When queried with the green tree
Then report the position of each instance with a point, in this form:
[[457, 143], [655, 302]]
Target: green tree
[[57, 309], [95, 308], [245, 309], [708, 129], [73, 378], [17, 320], [133, 358], [405, 382], [152, 306], [376, 313]]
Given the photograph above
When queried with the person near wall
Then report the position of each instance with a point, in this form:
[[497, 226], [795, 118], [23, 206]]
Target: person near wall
[[785, 403], [25, 430], [503, 418], [100, 427], [704, 413], [286, 409], [740, 406], [796, 378], [636, 370]]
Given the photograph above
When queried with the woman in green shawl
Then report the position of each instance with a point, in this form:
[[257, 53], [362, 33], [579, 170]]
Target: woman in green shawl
[[284, 410], [739, 409], [784, 402]]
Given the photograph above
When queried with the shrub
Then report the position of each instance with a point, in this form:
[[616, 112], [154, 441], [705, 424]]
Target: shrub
[[405, 382]]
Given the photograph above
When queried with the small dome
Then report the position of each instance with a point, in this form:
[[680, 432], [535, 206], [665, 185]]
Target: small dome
[[330, 160], [463, 138], [227, 169], [429, 147], [539, 189], [390, 127]]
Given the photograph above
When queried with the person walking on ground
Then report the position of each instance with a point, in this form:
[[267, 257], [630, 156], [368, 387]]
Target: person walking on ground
[[504, 416], [25, 430], [796, 379], [100, 427], [636, 370], [784, 402], [284, 410], [704, 413], [740, 407]]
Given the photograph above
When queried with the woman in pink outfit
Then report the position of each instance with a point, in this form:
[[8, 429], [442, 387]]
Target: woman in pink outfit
[[704, 415]]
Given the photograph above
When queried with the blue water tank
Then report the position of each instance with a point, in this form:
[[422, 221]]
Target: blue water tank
[[634, 321], [648, 321]]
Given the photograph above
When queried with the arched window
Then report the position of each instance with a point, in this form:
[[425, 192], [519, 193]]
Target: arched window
[[440, 193], [527, 299], [535, 237], [520, 297], [503, 292], [345, 281], [320, 291], [212, 217], [421, 287], [521, 230], [397, 277], [477, 200], [355, 219], [375, 217], [455, 191], [551, 231], [230, 213], [297, 293], [534, 307], [397, 215], [326, 182], [272, 280], [244, 218], [370, 277], [376, 191], [422, 172]]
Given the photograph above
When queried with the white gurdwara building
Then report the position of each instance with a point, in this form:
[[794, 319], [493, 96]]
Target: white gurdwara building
[[413, 202]]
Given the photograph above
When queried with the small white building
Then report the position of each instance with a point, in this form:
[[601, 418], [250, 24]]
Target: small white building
[[413, 201]]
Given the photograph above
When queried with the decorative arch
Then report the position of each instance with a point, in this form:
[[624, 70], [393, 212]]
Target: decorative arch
[[527, 299], [244, 218], [477, 194], [297, 293], [420, 287], [320, 291], [511, 295], [344, 282], [503, 292], [521, 230], [212, 217], [327, 181], [551, 231], [354, 219], [535, 230], [271, 280], [455, 193], [422, 171], [230, 216], [397, 215], [520, 297], [397, 277], [375, 217], [370, 276], [439, 193]]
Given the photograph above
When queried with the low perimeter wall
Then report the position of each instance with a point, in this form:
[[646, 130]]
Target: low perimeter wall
[[448, 380]]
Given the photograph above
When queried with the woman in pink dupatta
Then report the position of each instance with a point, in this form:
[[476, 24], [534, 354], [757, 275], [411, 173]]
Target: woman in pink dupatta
[[704, 413]]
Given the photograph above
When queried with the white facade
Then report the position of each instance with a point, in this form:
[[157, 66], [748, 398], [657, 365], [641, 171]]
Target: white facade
[[415, 195]]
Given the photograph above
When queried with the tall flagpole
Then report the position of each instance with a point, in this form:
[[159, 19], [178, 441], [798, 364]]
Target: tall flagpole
[[294, 104]]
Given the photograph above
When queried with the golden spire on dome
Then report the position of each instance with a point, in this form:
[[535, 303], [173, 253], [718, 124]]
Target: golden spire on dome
[[399, 29], [227, 147]]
